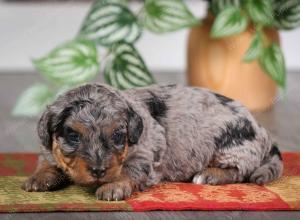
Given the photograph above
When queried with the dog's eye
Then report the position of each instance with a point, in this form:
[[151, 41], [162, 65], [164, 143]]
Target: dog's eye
[[72, 137], [118, 138]]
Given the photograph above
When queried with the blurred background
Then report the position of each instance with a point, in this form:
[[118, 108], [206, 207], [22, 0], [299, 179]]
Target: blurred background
[[29, 29]]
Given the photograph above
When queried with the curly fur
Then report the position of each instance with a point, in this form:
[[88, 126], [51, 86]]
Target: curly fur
[[173, 133]]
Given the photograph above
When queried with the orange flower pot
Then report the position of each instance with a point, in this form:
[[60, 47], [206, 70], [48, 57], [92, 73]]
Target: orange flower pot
[[217, 64]]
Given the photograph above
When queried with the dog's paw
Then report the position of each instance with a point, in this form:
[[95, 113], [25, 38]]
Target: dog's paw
[[215, 176], [261, 176], [36, 184], [114, 191], [259, 179], [206, 178], [42, 182]]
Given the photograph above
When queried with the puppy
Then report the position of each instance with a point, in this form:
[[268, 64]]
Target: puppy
[[125, 141]]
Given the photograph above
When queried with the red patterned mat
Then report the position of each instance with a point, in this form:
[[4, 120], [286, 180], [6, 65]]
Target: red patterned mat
[[283, 194]]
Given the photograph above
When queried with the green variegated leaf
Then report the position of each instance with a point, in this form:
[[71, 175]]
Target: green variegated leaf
[[123, 2], [229, 22], [260, 11], [254, 49], [167, 15], [33, 101], [272, 60], [217, 6], [287, 14], [126, 69], [63, 89], [72, 63], [108, 23]]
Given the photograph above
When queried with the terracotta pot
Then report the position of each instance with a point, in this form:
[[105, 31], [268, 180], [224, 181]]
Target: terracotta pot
[[217, 64]]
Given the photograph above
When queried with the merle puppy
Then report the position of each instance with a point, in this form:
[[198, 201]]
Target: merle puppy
[[124, 141]]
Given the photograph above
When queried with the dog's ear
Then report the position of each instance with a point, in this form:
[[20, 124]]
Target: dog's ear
[[135, 127], [52, 123], [55, 115], [44, 128]]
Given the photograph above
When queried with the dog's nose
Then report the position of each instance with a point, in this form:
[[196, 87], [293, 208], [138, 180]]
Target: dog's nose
[[98, 172]]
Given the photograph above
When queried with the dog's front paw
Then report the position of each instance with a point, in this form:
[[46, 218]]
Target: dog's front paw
[[115, 191], [44, 181], [37, 183]]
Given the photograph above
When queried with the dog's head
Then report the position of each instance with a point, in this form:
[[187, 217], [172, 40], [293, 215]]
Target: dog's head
[[89, 130]]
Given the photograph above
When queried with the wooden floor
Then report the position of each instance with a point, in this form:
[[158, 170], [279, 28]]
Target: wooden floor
[[18, 135], [157, 215]]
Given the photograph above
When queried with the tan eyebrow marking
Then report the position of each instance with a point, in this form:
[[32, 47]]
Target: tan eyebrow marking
[[79, 127]]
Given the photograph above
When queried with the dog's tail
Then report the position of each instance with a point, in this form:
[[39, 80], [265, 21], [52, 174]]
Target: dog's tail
[[270, 169]]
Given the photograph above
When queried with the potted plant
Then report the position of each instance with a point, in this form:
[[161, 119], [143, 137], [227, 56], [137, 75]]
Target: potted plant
[[236, 50], [104, 45]]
